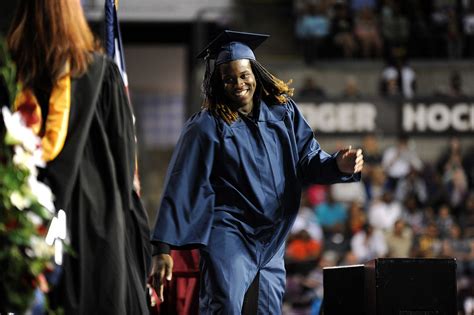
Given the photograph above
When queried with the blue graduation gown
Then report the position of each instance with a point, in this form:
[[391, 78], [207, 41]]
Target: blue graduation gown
[[234, 192]]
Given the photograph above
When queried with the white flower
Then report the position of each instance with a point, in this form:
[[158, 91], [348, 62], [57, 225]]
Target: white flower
[[34, 218], [42, 193], [19, 201], [40, 248], [38, 157], [18, 132], [24, 160]]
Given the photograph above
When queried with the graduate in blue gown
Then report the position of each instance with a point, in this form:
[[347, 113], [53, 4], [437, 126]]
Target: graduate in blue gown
[[234, 182]]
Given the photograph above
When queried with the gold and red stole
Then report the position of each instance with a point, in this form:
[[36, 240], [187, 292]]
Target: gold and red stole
[[55, 131]]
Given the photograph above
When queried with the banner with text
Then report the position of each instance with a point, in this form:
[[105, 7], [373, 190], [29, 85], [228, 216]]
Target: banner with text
[[421, 116]]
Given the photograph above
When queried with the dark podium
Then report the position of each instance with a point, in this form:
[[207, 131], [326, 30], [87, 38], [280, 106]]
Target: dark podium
[[391, 286]]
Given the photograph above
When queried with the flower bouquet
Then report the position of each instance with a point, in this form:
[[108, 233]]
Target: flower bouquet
[[28, 247]]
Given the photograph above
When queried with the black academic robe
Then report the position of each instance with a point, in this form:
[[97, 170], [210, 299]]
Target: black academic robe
[[92, 180]]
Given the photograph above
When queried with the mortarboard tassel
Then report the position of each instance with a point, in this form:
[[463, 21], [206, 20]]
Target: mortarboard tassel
[[206, 83]]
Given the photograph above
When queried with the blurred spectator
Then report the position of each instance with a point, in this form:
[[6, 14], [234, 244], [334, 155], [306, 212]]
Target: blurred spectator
[[454, 90], [367, 32], [331, 215], [356, 220], [375, 184], [454, 37], [468, 30], [368, 244], [445, 25], [341, 34], [315, 279], [306, 220], [301, 247], [434, 185], [398, 79], [455, 245], [304, 291], [374, 181], [444, 221], [312, 29], [352, 192], [311, 89], [316, 194], [466, 217], [412, 184], [466, 295], [468, 164], [300, 6], [383, 213], [429, 216], [399, 160], [421, 35], [451, 155], [455, 184], [389, 82], [395, 28], [351, 91], [359, 5], [372, 154], [349, 259], [399, 240], [468, 305], [413, 215], [428, 244], [454, 178], [455, 85], [298, 296]]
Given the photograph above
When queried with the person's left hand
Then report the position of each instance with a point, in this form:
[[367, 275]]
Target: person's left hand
[[350, 160]]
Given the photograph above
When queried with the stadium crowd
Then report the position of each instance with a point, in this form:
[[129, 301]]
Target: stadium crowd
[[374, 29], [403, 207]]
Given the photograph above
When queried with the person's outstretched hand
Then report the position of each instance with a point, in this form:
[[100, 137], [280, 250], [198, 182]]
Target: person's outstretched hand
[[162, 267], [350, 160]]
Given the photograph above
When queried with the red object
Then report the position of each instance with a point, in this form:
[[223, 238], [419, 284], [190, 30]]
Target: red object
[[42, 230], [28, 112], [181, 294], [303, 249], [11, 225], [316, 194]]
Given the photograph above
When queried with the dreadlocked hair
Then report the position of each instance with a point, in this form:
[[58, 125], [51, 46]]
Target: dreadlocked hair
[[275, 91], [269, 88]]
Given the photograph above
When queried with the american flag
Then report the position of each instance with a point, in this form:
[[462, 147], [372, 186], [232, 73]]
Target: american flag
[[114, 49], [113, 38]]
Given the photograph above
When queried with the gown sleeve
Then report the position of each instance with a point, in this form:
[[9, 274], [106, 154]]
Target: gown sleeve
[[315, 166], [116, 112], [185, 215]]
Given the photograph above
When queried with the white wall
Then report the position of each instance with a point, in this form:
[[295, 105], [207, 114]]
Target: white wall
[[157, 10], [156, 68]]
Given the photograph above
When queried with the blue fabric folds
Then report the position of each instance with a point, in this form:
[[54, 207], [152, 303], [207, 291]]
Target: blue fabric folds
[[236, 189]]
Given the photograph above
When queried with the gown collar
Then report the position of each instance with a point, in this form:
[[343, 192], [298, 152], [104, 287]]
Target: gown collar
[[265, 113]]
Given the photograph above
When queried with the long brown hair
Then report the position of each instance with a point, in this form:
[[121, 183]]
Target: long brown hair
[[269, 88], [44, 35]]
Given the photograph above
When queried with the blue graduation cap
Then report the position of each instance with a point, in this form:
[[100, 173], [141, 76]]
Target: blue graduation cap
[[232, 45]]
